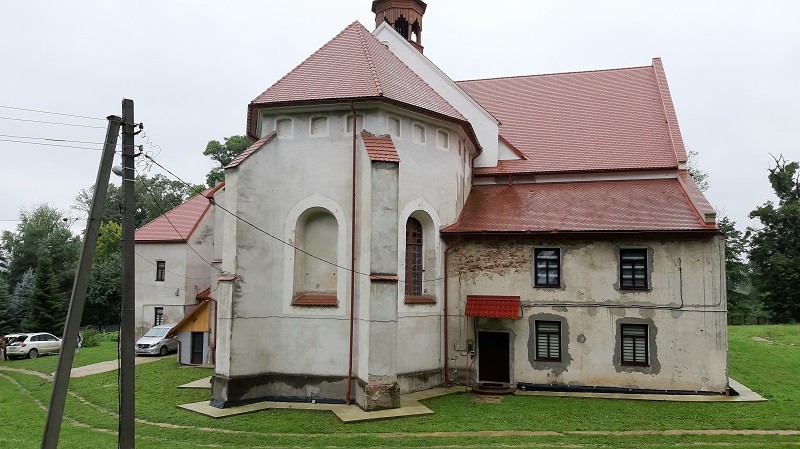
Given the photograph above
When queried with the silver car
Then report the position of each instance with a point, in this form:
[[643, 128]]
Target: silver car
[[155, 341], [32, 345]]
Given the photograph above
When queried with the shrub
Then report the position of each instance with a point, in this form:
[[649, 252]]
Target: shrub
[[91, 338]]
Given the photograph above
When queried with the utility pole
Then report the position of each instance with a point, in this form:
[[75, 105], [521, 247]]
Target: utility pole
[[55, 411], [127, 340]]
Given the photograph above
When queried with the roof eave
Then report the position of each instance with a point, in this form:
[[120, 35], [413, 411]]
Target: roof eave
[[593, 233]]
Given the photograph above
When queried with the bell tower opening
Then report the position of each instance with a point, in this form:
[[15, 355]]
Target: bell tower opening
[[405, 16]]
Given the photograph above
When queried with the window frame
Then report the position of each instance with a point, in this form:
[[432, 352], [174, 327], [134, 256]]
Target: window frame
[[158, 316], [641, 339], [415, 267], [628, 258], [161, 270], [549, 335], [548, 283]]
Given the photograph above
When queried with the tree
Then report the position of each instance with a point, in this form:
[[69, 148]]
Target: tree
[[153, 196], [775, 247], [741, 302], [700, 176], [46, 305], [104, 294], [6, 322], [223, 154], [19, 299], [42, 230]]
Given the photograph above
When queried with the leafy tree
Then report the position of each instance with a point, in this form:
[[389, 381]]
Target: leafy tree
[[153, 196], [699, 176], [775, 250], [223, 154], [46, 305], [42, 230], [104, 296], [19, 299], [741, 302], [6, 322]]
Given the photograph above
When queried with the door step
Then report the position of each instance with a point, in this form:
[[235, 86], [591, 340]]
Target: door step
[[494, 388]]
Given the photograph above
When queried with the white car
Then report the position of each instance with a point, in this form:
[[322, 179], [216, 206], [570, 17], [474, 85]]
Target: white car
[[32, 345], [156, 342]]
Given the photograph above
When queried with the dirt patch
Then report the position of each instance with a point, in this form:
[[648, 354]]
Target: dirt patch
[[486, 399], [763, 340]]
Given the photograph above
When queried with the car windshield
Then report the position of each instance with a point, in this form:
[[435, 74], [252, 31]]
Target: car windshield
[[156, 332]]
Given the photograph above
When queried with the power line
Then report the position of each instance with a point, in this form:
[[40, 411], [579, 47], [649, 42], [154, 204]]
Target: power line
[[211, 199], [50, 139], [164, 214], [171, 272], [51, 123], [52, 113], [51, 144]]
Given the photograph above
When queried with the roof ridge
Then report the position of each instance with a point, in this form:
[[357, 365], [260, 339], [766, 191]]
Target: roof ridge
[[368, 56], [574, 72], [281, 79]]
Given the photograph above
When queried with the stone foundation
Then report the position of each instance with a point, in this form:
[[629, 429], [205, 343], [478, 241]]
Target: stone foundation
[[237, 390]]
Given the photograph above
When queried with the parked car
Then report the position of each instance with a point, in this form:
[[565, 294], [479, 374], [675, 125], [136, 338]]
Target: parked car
[[155, 341], [32, 345]]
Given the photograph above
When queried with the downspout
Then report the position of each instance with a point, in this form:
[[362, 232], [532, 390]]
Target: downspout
[[446, 335], [352, 260], [214, 352]]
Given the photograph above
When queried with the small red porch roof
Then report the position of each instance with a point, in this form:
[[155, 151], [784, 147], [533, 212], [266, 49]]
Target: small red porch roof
[[481, 306], [380, 148]]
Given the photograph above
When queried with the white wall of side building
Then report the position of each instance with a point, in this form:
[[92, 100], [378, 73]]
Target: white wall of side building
[[684, 309]]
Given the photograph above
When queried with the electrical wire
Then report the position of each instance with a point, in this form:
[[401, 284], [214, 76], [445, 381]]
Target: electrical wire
[[51, 113], [274, 237], [49, 139], [164, 214], [51, 123], [170, 272], [52, 145]]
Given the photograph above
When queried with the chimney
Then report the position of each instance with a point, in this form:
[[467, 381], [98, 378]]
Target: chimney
[[405, 16]]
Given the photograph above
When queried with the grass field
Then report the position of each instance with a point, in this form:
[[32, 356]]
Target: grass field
[[769, 368]]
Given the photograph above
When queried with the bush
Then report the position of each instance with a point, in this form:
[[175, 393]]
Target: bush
[[91, 338]]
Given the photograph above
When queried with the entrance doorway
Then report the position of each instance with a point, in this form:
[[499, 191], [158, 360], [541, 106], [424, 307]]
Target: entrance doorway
[[494, 358], [196, 357]]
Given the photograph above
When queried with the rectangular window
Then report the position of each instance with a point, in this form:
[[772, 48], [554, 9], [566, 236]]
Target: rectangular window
[[634, 344], [633, 268], [161, 269], [548, 267], [548, 341], [159, 318]]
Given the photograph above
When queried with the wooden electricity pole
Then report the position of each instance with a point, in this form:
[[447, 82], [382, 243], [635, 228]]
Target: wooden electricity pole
[[55, 411], [127, 339]]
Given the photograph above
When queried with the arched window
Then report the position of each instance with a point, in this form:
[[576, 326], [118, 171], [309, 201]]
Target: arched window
[[413, 257], [315, 282]]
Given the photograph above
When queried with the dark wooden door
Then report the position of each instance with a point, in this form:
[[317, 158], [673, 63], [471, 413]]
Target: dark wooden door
[[197, 348], [494, 362]]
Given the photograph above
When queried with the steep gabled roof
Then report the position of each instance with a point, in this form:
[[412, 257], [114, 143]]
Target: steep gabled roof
[[257, 145], [642, 205], [619, 119], [354, 65], [177, 225]]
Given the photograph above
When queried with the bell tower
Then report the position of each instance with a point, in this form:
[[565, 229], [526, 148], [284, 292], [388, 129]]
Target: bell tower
[[405, 16]]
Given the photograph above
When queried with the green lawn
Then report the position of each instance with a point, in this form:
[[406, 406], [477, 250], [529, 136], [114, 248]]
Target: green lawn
[[770, 368]]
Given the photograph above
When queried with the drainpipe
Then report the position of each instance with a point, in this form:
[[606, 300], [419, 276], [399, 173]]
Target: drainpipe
[[214, 352], [352, 260], [446, 335]]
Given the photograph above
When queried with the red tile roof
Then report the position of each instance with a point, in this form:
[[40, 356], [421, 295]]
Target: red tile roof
[[354, 65], [178, 224], [204, 295], [694, 192], [380, 148], [618, 119], [258, 144], [657, 205], [493, 306]]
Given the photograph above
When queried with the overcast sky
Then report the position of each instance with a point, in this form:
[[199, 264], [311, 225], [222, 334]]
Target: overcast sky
[[193, 66]]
